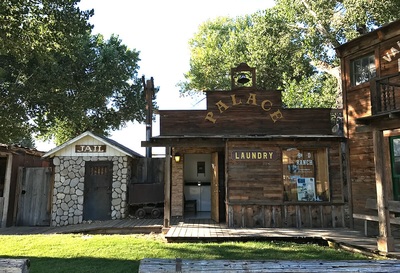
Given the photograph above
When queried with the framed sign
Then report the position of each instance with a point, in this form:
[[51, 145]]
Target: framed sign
[[90, 148]]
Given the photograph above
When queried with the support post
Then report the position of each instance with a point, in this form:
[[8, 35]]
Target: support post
[[149, 92], [167, 188], [385, 241]]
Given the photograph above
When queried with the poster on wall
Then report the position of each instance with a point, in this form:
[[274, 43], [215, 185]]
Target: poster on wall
[[306, 189]]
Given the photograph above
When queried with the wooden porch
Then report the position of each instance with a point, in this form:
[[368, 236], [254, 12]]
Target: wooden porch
[[123, 226], [204, 230]]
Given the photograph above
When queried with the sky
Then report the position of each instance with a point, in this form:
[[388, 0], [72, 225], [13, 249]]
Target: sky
[[160, 31]]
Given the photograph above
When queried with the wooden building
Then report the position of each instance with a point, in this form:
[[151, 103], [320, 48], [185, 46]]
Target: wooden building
[[370, 67], [250, 162], [91, 177], [24, 175]]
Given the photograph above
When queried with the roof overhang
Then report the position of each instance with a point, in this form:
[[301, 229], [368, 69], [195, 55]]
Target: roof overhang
[[220, 141]]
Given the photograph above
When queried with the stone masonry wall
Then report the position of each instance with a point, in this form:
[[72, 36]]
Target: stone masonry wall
[[68, 192]]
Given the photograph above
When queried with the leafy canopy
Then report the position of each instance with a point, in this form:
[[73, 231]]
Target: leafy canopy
[[57, 79], [292, 45]]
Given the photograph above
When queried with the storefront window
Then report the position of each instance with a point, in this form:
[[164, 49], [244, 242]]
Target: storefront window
[[305, 175]]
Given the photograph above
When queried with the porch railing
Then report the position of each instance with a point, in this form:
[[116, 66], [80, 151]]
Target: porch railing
[[385, 94]]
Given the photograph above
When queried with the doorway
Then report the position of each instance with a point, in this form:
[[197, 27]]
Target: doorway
[[98, 189], [204, 183], [34, 191], [395, 164], [197, 179]]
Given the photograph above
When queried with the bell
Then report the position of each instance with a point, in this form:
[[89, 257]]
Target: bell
[[242, 79]]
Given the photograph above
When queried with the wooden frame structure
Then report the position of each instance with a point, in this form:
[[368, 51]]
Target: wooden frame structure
[[372, 121], [250, 156]]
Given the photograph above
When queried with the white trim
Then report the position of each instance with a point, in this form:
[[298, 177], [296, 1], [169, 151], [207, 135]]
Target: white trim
[[87, 133]]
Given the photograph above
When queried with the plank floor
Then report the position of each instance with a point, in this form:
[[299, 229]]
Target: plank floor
[[206, 230], [103, 227]]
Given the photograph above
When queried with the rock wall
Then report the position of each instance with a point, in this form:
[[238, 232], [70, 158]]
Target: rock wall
[[69, 186]]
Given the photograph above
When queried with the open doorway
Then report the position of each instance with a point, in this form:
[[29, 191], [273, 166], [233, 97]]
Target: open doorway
[[197, 188]]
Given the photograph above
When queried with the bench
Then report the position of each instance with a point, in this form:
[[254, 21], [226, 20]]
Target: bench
[[14, 265], [275, 266], [394, 207]]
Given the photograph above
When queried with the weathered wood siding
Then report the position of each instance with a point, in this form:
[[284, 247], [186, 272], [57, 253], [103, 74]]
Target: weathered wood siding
[[358, 102], [20, 158], [246, 113], [255, 190]]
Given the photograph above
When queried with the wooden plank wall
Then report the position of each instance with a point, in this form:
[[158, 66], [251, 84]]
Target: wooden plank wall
[[245, 112], [293, 122], [358, 104], [289, 216], [255, 190]]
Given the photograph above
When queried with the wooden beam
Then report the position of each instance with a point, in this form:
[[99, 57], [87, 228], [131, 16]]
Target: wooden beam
[[7, 187], [167, 189], [385, 240]]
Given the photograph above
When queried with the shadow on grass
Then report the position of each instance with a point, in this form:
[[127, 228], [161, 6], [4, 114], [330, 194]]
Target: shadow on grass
[[195, 251], [79, 265], [280, 250]]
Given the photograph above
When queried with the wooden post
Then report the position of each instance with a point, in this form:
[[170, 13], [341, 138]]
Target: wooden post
[[385, 240], [167, 188], [6, 194], [149, 92]]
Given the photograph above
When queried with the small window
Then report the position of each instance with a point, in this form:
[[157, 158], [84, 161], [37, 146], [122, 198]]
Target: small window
[[305, 175], [363, 70]]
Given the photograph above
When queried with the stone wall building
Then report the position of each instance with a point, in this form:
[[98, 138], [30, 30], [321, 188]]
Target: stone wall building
[[91, 176]]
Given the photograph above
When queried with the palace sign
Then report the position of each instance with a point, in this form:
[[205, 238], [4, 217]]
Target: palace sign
[[265, 105]]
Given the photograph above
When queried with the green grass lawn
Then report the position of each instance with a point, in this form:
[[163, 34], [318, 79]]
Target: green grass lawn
[[122, 253]]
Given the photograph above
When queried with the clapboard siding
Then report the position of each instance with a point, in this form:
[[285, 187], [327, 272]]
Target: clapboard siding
[[255, 190], [362, 103], [293, 122], [309, 215]]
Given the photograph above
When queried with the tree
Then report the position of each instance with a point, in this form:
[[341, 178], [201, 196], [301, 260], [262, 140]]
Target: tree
[[291, 45], [217, 46], [56, 79], [262, 40], [31, 28], [99, 84], [326, 24]]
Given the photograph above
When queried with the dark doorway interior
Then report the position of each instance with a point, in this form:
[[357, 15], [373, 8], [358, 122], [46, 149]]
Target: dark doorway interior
[[97, 195]]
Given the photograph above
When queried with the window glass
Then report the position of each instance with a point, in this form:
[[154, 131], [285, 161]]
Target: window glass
[[305, 175], [362, 70], [396, 156]]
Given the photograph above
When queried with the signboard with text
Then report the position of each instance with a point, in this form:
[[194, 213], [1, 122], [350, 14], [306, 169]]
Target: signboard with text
[[90, 148]]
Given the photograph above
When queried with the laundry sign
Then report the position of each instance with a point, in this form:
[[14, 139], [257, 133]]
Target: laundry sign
[[253, 155], [90, 148]]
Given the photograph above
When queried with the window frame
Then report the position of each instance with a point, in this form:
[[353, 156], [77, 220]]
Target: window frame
[[365, 62], [322, 184]]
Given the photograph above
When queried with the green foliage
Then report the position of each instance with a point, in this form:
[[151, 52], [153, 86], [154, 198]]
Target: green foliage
[[56, 79], [218, 46], [262, 40], [319, 90], [122, 253], [100, 85], [275, 50], [292, 46]]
